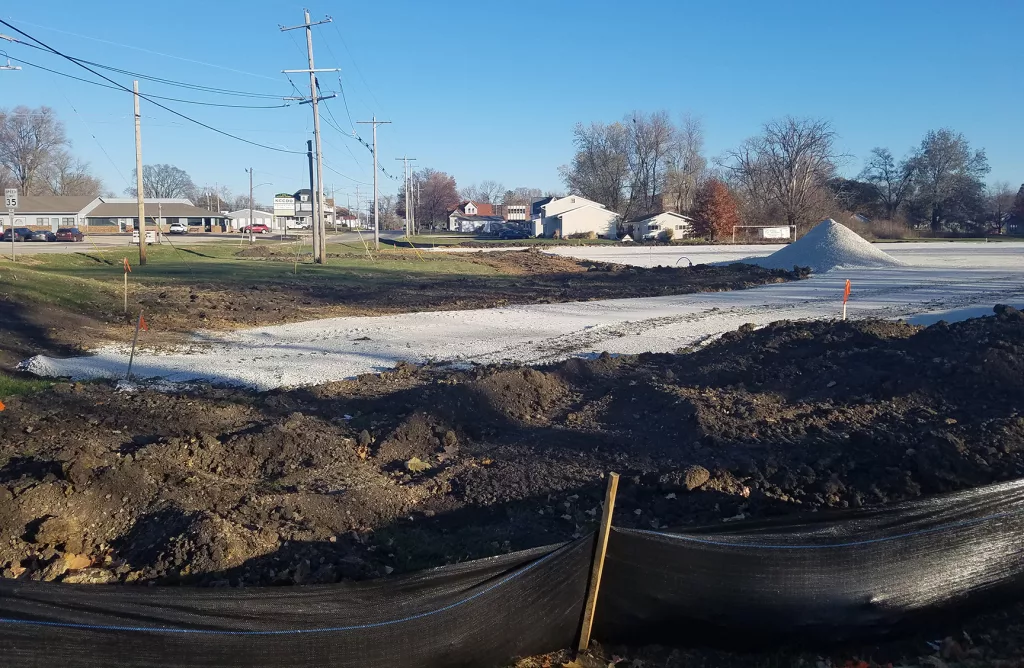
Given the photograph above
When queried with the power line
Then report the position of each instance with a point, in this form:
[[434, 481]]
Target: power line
[[358, 71], [156, 97], [151, 101], [138, 48], [169, 82]]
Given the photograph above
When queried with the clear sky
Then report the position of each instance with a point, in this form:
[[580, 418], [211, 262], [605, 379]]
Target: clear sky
[[491, 90]]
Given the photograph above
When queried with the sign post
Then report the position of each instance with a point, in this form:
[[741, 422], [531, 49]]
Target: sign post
[[11, 200]]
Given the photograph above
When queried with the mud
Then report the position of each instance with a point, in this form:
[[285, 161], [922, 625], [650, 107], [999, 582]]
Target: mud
[[423, 466]]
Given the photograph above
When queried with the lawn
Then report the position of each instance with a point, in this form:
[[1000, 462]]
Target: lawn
[[11, 386]]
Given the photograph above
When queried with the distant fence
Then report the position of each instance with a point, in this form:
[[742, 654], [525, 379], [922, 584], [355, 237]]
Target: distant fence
[[840, 573]]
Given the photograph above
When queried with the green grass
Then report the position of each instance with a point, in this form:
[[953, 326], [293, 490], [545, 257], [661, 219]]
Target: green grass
[[12, 387], [79, 282]]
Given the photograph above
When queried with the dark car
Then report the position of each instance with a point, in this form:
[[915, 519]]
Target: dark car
[[43, 235], [70, 234], [513, 234], [20, 234]]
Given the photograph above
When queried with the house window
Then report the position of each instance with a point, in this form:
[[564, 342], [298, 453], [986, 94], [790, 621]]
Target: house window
[[40, 221], [68, 221], [679, 227]]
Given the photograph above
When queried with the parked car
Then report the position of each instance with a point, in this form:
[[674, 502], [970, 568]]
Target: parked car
[[257, 228], [69, 234], [510, 233], [177, 228], [43, 235], [19, 233], [297, 225]]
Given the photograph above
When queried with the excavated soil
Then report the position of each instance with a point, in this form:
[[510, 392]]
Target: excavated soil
[[423, 466]]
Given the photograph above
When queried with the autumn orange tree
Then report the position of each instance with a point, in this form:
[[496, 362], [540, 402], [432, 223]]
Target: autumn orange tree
[[716, 213]]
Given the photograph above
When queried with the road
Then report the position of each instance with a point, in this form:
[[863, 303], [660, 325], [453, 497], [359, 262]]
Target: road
[[95, 242]]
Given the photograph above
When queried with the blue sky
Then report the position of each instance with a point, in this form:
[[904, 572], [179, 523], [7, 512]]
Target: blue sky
[[491, 90]]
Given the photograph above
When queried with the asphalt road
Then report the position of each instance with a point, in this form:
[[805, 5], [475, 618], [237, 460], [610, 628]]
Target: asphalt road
[[95, 242]]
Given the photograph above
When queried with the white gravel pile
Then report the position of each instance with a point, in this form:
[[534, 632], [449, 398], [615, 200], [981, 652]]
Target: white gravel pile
[[826, 247]]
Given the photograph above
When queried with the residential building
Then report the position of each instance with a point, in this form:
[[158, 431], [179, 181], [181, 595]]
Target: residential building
[[648, 227], [49, 212], [475, 224], [512, 212], [469, 209], [1014, 224], [573, 215], [109, 215], [242, 218]]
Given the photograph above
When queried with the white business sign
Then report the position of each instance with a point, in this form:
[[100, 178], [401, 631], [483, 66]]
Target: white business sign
[[284, 206], [775, 233], [11, 198]]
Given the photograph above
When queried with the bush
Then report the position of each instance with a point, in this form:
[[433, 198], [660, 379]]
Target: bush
[[583, 235], [666, 235]]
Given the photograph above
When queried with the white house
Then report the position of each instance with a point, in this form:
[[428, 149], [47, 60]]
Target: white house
[[651, 227], [567, 216], [242, 218]]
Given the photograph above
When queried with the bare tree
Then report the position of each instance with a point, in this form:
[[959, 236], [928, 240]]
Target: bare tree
[[891, 182], [949, 177], [163, 181], [600, 170], [66, 175], [788, 166], [29, 138], [685, 165], [1001, 197], [522, 196], [651, 137]]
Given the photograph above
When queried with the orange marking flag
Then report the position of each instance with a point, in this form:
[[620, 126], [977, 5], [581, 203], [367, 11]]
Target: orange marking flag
[[846, 293], [127, 267], [142, 324]]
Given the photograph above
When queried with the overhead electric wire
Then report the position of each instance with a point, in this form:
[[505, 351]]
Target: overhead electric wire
[[155, 97], [169, 82], [144, 50], [151, 101], [356, 66]]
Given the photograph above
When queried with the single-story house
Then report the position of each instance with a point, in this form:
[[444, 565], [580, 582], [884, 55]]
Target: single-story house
[[49, 212], [1014, 224], [647, 227], [241, 218], [121, 215], [573, 215], [107, 215], [481, 224]]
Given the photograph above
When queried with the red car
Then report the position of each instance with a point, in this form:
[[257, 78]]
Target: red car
[[257, 228], [70, 234]]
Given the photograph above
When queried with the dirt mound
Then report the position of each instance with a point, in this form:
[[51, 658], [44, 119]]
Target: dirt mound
[[423, 466], [829, 245]]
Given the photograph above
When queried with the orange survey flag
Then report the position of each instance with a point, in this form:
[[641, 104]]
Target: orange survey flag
[[142, 324], [127, 267], [846, 293], [2, 406]]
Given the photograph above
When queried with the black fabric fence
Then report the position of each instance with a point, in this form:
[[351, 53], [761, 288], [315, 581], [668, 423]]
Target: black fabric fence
[[480, 613], [821, 575], [833, 574]]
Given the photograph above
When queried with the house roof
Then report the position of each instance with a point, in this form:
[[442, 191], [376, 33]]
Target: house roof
[[590, 205], [642, 219], [481, 208], [172, 210], [483, 219], [29, 204], [244, 213]]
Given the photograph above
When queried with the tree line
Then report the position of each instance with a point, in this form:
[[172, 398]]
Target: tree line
[[788, 174], [35, 155]]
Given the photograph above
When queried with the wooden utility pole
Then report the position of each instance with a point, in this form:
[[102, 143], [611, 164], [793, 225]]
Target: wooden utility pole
[[408, 219], [376, 207], [252, 217], [319, 224], [316, 232], [138, 177]]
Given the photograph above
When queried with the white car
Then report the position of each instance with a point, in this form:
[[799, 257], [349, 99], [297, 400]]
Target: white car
[[177, 228], [298, 225]]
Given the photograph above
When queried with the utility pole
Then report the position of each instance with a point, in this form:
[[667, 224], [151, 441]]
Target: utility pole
[[359, 223], [408, 219], [252, 218], [415, 206], [316, 231], [319, 225], [376, 208], [138, 179]]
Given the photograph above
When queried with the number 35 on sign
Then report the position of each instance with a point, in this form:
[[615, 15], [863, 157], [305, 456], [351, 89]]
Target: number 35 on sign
[[11, 198]]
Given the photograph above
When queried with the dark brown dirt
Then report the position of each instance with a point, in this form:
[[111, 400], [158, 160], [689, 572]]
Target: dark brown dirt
[[176, 309], [424, 466]]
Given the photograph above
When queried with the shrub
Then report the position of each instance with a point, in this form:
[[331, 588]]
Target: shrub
[[583, 235], [666, 235]]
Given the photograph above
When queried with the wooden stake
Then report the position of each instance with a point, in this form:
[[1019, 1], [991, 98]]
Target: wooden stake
[[131, 358], [126, 292], [600, 548]]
